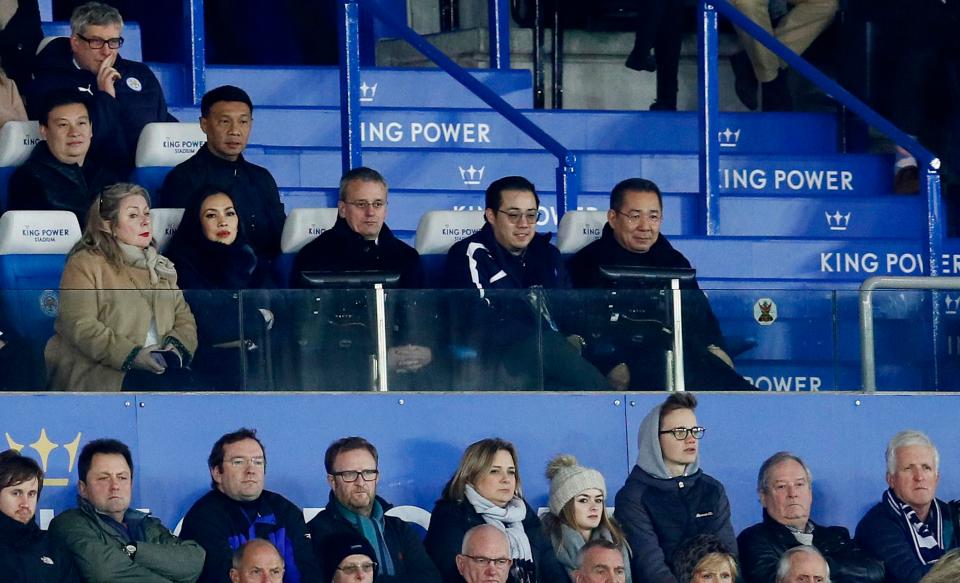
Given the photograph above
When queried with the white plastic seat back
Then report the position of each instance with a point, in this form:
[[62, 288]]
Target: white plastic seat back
[[38, 232], [439, 230], [165, 223], [17, 139], [578, 229], [167, 144], [304, 225]]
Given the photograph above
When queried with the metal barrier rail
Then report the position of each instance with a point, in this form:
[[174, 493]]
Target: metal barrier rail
[[568, 179], [867, 356]]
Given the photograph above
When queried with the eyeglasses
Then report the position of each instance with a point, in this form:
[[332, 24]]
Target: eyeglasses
[[242, 462], [97, 43], [482, 562], [350, 476], [353, 568], [634, 218], [365, 204], [681, 433], [514, 216]]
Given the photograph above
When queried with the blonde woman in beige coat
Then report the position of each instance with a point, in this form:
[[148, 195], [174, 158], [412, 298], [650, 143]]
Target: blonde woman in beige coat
[[123, 322]]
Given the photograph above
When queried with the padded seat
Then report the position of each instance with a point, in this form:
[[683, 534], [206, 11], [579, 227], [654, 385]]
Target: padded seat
[[302, 226], [437, 232], [163, 145], [17, 139], [165, 223], [578, 229]]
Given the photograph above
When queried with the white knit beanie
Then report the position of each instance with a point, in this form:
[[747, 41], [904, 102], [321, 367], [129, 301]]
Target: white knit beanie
[[567, 479]]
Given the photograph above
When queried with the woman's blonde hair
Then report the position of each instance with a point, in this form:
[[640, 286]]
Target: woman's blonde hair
[[715, 562], [477, 460], [568, 516], [98, 235]]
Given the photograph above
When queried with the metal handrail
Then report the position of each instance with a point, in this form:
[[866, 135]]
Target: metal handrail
[[568, 165], [868, 363]]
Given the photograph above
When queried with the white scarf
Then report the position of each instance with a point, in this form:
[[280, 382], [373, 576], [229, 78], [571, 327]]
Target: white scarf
[[147, 258], [508, 519]]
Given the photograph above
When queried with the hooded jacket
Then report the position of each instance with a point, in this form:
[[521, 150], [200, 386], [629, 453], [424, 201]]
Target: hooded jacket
[[117, 121], [97, 546], [410, 560], [659, 512], [29, 555]]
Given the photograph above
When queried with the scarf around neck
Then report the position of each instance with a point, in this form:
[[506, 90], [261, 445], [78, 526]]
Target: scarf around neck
[[925, 537], [570, 542], [508, 519], [148, 258], [372, 529]]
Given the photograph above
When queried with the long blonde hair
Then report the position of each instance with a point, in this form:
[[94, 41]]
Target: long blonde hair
[[97, 235], [476, 460]]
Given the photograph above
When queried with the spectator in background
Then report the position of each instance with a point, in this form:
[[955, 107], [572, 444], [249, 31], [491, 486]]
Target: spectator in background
[[238, 509], [659, 28], [484, 555], [20, 35], [214, 260], [578, 514], [125, 94], [26, 552], [797, 27], [667, 499], [348, 558], [226, 117], [486, 489], [110, 541], [785, 488], [601, 561], [909, 529], [803, 564], [257, 561], [59, 175], [354, 507], [123, 322], [705, 559]]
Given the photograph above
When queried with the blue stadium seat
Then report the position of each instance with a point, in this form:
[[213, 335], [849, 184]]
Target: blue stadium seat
[[161, 147]]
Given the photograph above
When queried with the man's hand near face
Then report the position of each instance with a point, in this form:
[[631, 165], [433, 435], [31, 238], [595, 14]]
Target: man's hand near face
[[107, 76]]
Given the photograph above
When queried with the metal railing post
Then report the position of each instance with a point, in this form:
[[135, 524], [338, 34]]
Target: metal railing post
[[935, 234], [709, 111], [568, 184], [196, 48], [349, 33], [498, 23]]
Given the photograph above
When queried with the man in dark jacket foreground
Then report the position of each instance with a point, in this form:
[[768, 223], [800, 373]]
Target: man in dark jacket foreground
[[239, 509], [354, 507], [786, 494]]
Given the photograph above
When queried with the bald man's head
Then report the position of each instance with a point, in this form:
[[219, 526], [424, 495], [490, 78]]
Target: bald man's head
[[257, 561], [485, 555]]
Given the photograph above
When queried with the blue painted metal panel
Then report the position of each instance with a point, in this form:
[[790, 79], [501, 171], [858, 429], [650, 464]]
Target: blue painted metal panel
[[176, 90], [318, 86], [132, 45]]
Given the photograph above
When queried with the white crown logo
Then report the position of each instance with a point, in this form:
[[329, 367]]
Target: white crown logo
[[368, 92], [729, 138], [470, 175], [952, 305], [837, 221]]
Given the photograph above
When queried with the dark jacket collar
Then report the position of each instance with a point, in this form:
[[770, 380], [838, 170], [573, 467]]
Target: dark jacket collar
[[212, 159], [679, 482], [616, 253], [342, 230], [16, 534]]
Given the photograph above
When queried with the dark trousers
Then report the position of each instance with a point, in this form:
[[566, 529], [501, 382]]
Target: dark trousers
[[659, 27]]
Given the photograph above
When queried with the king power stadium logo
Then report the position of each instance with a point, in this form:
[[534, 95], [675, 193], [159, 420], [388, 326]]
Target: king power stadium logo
[[50, 457], [729, 138]]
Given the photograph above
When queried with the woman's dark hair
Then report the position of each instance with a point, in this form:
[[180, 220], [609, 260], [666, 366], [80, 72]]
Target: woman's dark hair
[[16, 469]]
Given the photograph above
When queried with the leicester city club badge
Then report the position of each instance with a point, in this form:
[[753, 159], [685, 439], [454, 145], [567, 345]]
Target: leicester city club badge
[[134, 83]]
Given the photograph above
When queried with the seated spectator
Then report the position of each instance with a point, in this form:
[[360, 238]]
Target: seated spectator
[[704, 559], [667, 498], [141, 334], [578, 513], [58, 174], [226, 117], [354, 507], [946, 570], [11, 104], [632, 238], [110, 541], [786, 494], [486, 489], [26, 552], [257, 561], [239, 509], [20, 35], [214, 261], [484, 555], [515, 331], [803, 564], [601, 561], [348, 558], [797, 28], [909, 529], [125, 94], [361, 241]]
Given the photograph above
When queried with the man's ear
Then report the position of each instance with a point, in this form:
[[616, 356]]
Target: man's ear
[[461, 563], [341, 208], [43, 131], [611, 216], [490, 215], [82, 489], [216, 474], [331, 479], [204, 125]]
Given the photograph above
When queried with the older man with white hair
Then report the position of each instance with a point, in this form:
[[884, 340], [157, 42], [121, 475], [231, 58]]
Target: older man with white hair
[[803, 564], [909, 529]]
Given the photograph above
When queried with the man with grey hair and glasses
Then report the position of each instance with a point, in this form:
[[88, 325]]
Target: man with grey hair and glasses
[[125, 94], [785, 488], [484, 556], [803, 564], [909, 529]]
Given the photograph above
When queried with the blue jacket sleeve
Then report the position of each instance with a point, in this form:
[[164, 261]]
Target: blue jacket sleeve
[[885, 539]]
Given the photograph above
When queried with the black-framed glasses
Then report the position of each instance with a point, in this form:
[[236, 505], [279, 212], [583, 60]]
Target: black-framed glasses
[[514, 216], [97, 43], [681, 433], [353, 568], [350, 476], [482, 562]]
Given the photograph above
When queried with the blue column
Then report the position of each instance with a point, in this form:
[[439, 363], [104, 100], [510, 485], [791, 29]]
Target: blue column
[[196, 48], [349, 32], [568, 184], [935, 234], [709, 110], [498, 23]]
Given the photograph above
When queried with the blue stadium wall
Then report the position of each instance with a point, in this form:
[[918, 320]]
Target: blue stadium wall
[[421, 437]]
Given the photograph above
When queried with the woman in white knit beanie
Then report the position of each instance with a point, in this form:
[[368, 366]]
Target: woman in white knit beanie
[[578, 512]]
